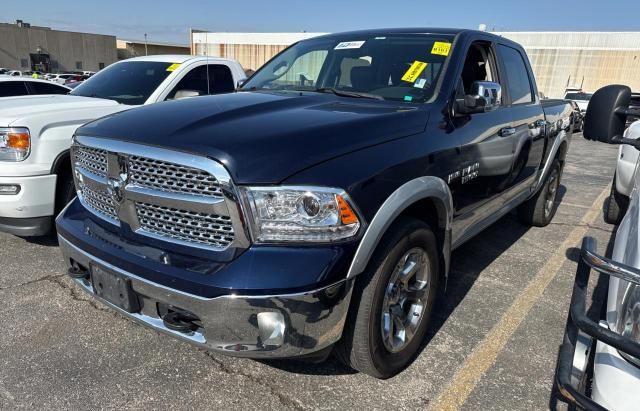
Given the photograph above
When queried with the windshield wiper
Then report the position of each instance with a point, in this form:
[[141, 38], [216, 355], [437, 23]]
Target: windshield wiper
[[344, 93]]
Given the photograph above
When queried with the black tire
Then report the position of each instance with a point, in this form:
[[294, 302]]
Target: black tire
[[65, 191], [616, 205], [539, 210], [362, 346]]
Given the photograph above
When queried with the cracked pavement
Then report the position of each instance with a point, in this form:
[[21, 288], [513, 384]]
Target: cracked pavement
[[59, 349]]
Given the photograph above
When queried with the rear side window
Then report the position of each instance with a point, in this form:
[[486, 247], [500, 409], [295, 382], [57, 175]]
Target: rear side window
[[46, 88], [13, 88], [520, 87]]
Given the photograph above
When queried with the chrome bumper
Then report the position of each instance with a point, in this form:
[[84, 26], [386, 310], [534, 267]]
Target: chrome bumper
[[275, 326]]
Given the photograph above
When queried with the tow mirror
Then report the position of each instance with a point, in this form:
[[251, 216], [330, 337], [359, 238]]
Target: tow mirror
[[607, 113], [485, 96]]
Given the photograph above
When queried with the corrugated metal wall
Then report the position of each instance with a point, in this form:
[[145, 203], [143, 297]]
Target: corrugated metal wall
[[588, 59]]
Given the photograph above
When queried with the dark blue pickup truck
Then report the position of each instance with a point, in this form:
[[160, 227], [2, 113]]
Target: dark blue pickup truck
[[316, 208]]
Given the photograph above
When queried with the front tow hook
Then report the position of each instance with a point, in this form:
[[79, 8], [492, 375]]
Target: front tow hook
[[180, 322]]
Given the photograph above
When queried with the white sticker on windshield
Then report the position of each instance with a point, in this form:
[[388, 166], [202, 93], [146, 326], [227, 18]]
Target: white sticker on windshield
[[420, 83], [349, 45]]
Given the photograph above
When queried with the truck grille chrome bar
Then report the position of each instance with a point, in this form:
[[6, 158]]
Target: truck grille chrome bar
[[162, 194]]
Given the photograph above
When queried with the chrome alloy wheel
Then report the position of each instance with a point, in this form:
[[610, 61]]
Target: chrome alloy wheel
[[552, 189], [405, 298]]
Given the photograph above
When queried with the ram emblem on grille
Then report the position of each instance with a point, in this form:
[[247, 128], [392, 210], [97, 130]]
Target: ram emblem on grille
[[117, 180]]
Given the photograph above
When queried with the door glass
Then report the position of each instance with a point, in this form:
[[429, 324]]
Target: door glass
[[13, 88], [517, 75], [45, 88]]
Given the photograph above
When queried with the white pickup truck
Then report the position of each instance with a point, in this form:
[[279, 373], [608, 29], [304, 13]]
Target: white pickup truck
[[36, 131]]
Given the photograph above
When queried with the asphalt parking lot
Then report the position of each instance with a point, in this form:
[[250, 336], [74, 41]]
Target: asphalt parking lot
[[492, 344]]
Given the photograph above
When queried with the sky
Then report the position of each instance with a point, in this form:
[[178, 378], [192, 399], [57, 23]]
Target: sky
[[170, 20]]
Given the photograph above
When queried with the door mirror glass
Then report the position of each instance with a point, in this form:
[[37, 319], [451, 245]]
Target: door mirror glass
[[485, 96], [180, 94], [607, 113]]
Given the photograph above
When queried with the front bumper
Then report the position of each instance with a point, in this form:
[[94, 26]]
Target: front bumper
[[579, 325], [267, 326], [30, 212]]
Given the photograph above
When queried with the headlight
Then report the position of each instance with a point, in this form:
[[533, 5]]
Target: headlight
[[629, 319], [15, 143], [305, 214]]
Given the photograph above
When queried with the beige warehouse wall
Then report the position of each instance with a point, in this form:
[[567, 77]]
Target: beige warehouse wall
[[65, 48]]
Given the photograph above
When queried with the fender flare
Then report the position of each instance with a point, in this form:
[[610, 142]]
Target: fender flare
[[409, 193]]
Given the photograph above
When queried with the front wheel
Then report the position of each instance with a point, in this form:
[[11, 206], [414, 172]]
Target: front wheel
[[392, 301], [539, 210], [616, 205]]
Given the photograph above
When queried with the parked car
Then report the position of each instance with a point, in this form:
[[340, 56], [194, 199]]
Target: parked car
[[320, 204], [3, 70], [580, 97], [14, 73], [24, 86], [607, 350], [577, 117], [62, 78], [39, 169]]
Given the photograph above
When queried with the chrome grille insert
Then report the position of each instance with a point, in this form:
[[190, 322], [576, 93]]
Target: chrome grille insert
[[99, 202], [165, 176], [186, 226], [91, 159], [172, 196]]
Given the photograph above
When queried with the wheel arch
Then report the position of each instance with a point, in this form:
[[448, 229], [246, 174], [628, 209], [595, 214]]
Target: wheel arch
[[426, 198]]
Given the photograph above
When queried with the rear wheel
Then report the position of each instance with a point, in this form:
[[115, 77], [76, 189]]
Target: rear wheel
[[392, 302], [616, 205], [539, 210]]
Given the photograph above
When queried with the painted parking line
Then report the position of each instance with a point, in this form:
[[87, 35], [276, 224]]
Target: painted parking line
[[454, 395]]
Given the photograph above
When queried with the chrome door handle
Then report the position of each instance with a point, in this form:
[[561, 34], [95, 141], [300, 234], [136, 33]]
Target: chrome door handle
[[507, 131]]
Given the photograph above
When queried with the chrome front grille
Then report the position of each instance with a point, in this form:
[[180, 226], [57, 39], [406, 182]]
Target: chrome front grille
[[167, 195], [188, 226], [99, 202], [164, 176], [91, 159]]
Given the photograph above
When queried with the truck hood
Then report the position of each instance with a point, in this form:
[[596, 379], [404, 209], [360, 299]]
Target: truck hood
[[14, 109], [263, 137]]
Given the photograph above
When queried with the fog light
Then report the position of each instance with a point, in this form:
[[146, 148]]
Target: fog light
[[9, 189], [272, 327]]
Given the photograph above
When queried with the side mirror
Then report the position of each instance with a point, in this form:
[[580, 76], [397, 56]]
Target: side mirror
[[485, 96], [180, 94], [241, 83], [607, 113]]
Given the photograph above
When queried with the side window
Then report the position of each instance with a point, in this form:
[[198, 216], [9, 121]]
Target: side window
[[195, 81], [220, 79], [13, 88], [520, 87], [479, 65], [46, 88]]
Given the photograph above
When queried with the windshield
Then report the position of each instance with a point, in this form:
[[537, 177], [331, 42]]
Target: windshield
[[129, 82], [578, 96], [403, 67]]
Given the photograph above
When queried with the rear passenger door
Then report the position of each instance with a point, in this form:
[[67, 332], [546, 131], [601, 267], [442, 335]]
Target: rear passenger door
[[527, 121], [13, 88]]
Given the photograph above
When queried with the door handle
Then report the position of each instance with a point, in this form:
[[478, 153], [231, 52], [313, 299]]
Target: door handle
[[507, 131]]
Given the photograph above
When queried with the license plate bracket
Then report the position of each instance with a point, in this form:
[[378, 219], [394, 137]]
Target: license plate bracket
[[114, 288]]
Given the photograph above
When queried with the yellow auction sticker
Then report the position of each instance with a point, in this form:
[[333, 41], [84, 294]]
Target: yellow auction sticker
[[173, 67], [414, 71], [441, 48]]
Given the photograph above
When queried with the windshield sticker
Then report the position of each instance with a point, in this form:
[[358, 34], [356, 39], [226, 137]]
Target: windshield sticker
[[408, 98], [420, 83], [345, 45], [441, 48], [173, 67], [414, 71]]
